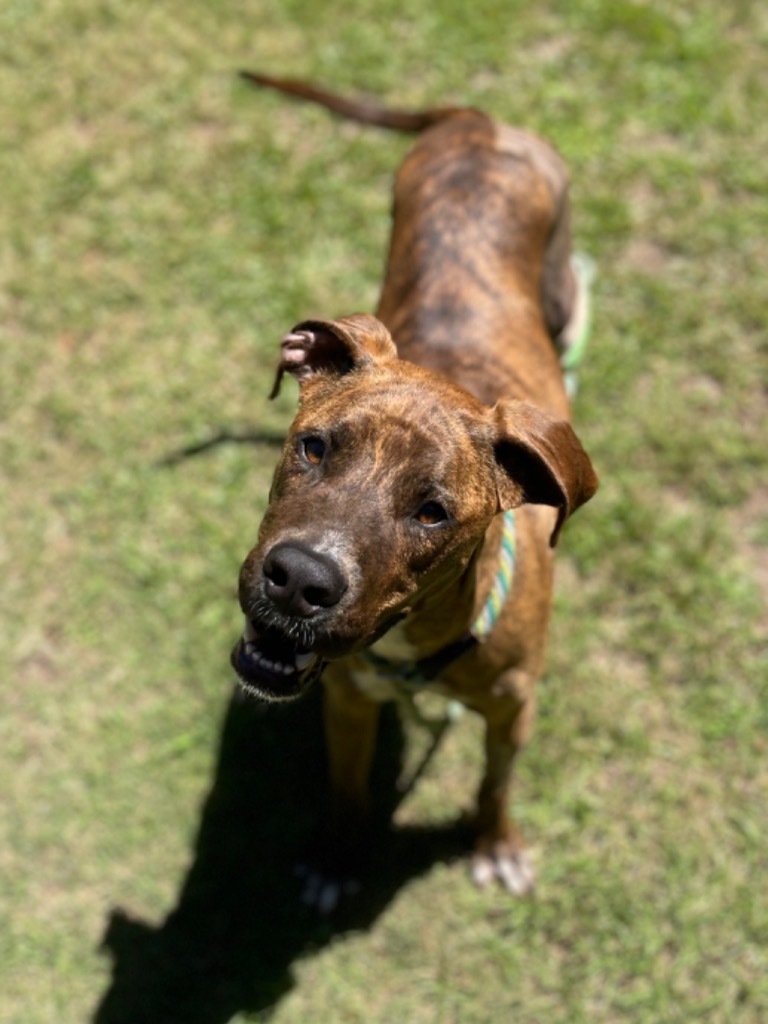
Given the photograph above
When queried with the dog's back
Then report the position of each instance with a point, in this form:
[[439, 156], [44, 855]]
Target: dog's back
[[478, 284], [479, 250]]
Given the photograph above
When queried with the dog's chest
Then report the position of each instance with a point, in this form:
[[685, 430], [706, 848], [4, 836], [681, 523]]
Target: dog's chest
[[395, 648], [375, 685], [388, 670]]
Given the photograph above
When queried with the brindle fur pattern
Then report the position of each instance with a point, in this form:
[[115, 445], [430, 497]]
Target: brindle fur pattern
[[469, 412]]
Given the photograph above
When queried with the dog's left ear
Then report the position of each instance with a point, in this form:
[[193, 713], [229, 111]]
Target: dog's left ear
[[539, 460], [333, 346]]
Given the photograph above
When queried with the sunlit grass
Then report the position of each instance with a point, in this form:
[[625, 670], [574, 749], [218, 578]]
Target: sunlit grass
[[161, 225]]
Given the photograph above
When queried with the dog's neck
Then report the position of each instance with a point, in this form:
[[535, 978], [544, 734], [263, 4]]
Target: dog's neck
[[446, 613]]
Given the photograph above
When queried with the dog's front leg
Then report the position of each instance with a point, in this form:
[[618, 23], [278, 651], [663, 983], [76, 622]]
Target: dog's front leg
[[499, 850], [351, 721]]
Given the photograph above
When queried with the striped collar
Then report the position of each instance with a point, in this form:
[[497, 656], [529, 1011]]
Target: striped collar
[[502, 584], [426, 669]]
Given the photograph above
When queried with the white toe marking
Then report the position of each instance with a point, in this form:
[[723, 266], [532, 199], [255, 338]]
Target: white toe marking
[[514, 871], [512, 876], [482, 871], [328, 897], [321, 893]]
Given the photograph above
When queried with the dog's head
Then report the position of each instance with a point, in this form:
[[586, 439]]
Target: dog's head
[[388, 481]]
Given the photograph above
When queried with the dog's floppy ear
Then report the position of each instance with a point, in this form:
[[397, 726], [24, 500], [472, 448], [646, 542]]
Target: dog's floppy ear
[[333, 346], [539, 460]]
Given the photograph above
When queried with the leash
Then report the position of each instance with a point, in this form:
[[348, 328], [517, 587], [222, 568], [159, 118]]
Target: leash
[[573, 341]]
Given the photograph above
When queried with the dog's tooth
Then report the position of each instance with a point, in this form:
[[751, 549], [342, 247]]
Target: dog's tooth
[[303, 660], [266, 663], [249, 633], [287, 670], [250, 649]]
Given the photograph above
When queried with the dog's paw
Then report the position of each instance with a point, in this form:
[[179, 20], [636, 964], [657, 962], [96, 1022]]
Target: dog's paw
[[322, 892], [513, 868]]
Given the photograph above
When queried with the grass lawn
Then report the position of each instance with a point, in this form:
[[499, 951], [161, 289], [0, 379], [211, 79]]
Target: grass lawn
[[161, 226]]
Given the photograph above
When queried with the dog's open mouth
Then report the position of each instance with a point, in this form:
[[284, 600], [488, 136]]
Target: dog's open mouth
[[271, 667]]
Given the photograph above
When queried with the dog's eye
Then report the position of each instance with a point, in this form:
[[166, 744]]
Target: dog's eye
[[313, 449], [431, 513]]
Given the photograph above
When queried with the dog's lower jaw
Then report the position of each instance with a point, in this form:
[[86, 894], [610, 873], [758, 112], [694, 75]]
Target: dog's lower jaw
[[273, 665], [273, 672]]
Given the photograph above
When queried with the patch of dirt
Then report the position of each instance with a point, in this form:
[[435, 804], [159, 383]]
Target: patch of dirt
[[703, 386], [554, 49], [645, 256]]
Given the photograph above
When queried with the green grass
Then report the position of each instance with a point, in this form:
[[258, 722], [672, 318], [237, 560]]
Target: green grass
[[160, 227]]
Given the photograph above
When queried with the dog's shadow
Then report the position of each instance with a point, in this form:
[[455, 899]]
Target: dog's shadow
[[239, 925]]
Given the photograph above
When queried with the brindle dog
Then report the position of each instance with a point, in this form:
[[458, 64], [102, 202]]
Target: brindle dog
[[383, 530]]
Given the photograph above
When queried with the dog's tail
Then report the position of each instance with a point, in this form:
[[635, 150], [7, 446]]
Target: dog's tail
[[363, 111]]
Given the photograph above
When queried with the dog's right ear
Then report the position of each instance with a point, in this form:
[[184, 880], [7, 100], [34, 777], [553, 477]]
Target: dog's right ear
[[333, 347], [541, 461]]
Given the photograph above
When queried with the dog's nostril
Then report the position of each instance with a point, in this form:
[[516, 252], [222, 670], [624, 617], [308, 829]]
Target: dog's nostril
[[318, 597], [276, 574]]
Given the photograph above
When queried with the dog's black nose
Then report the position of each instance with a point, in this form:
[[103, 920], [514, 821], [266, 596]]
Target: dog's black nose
[[300, 581]]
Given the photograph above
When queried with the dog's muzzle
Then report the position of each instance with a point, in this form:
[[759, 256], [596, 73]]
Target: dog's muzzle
[[297, 588]]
